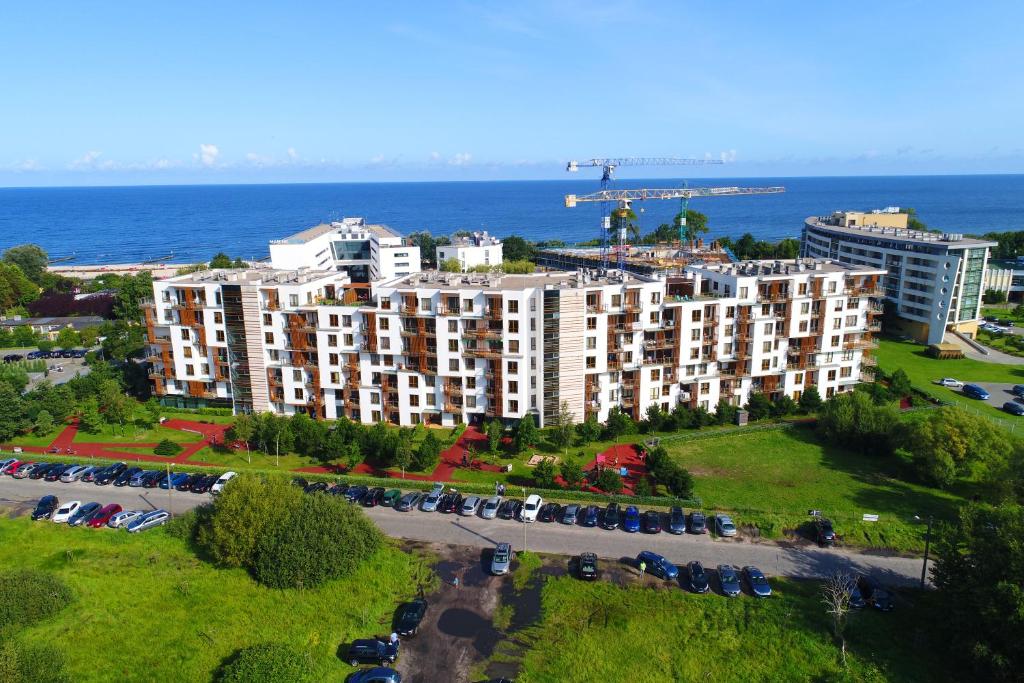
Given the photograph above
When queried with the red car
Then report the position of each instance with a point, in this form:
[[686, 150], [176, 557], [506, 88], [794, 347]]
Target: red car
[[9, 469], [103, 515]]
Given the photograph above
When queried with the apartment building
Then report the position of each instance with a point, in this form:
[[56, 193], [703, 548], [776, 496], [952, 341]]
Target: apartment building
[[445, 348], [476, 249], [934, 280]]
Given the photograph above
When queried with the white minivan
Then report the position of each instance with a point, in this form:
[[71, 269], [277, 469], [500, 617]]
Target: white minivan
[[532, 507], [219, 485]]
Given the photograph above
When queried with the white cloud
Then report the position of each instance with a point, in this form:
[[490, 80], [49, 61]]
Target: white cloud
[[292, 154], [87, 160], [461, 159], [728, 156], [208, 154], [27, 165], [435, 157]]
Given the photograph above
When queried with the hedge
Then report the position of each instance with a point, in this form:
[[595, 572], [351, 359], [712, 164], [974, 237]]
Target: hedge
[[28, 596], [267, 662]]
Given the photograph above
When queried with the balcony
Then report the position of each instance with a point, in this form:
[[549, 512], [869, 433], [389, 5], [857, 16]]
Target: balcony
[[860, 344], [597, 308]]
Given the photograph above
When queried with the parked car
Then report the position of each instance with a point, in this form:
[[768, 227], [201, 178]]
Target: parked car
[[73, 473], [189, 481], [511, 508], [658, 565], [501, 561], [431, 501], [697, 578], [205, 484], [46, 506], [875, 594], [103, 515], [757, 581], [371, 650], [729, 580], [1014, 408], [490, 508], [90, 474], [300, 482], [409, 616], [66, 511], [407, 502], [548, 512], [25, 469], [652, 522], [698, 523], [55, 472], [172, 481], [588, 566], [125, 477], [532, 507], [110, 474], [450, 503], [824, 534], [591, 515], [153, 480], [221, 482], [857, 600], [317, 487], [140, 478], [339, 489], [83, 514], [148, 521], [378, 674], [610, 519], [570, 513], [976, 392], [356, 493], [631, 519], [124, 517], [1018, 390], [10, 466], [373, 497], [41, 472], [469, 506], [950, 382], [724, 526], [676, 521], [391, 497]]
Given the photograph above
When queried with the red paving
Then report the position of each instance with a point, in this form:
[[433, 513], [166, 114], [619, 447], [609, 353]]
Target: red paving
[[622, 455]]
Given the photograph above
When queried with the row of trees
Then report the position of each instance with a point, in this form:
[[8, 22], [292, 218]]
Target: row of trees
[[509, 267]]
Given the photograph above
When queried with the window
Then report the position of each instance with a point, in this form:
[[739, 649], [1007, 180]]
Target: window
[[769, 328], [299, 394], [730, 312], [188, 351], [375, 399], [513, 346], [743, 292], [591, 343], [513, 406], [705, 387], [591, 323], [220, 335], [694, 354], [845, 372], [414, 400], [184, 334], [831, 375], [654, 394], [513, 387], [513, 367], [424, 304], [655, 374], [766, 347], [471, 363], [189, 370], [346, 320], [268, 338], [385, 343], [837, 323], [453, 326], [798, 378], [385, 324], [513, 327], [332, 320], [655, 297], [332, 340], [453, 345], [835, 340], [467, 305], [695, 335], [453, 365], [803, 326], [471, 382], [335, 378], [591, 362], [513, 306], [832, 287], [695, 316], [805, 308], [349, 340], [802, 288], [728, 330], [293, 300], [766, 364], [616, 300], [655, 318], [414, 382], [851, 321], [432, 400], [385, 304], [218, 317], [471, 401], [332, 359]]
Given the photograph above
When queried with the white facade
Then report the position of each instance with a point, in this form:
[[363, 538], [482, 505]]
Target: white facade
[[478, 249]]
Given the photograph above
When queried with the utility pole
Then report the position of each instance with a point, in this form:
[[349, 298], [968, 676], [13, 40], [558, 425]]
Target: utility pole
[[927, 544], [170, 508], [523, 515]]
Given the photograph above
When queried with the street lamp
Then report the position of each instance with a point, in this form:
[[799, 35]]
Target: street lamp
[[927, 546], [522, 515]]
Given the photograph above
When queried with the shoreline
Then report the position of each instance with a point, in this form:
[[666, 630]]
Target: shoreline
[[91, 271]]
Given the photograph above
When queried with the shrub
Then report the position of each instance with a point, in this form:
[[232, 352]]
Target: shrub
[[609, 481], [167, 447], [267, 662], [31, 662], [28, 596], [544, 474]]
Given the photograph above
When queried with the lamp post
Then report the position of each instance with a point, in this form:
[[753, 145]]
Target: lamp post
[[523, 516], [927, 547]]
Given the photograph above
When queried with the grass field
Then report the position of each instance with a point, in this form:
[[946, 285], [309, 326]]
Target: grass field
[[1001, 342], [601, 632], [772, 478], [130, 434], [147, 609]]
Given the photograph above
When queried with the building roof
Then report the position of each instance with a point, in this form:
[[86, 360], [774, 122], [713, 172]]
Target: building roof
[[476, 239], [433, 279], [784, 267], [345, 225], [256, 276], [950, 240], [77, 322]]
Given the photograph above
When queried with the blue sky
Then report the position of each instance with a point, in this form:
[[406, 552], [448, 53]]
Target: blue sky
[[126, 93]]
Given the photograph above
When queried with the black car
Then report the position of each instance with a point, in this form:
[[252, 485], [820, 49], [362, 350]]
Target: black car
[[300, 482], [409, 501], [449, 503], [339, 489], [591, 515], [90, 474], [186, 485], [45, 507], [152, 480], [676, 521], [874, 594], [126, 476], [371, 652], [548, 512], [588, 566], [824, 534], [110, 474], [652, 522], [510, 508], [41, 472], [356, 493], [54, 472], [204, 484], [612, 516], [317, 487], [698, 578], [409, 616], [373, 497], [698, 523]]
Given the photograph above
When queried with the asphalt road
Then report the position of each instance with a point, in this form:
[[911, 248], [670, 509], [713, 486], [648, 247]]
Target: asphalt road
[[795, 560]]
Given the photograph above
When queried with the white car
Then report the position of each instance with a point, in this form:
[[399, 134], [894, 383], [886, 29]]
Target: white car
[[66, 511], [532, 507], [124, 517], [490, 508], [950, 382], [73, 474], [469, 506], [148, 521], [219, 485]]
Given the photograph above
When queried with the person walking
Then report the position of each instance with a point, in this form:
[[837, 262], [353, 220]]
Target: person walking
[[394, 638], [643, 568]]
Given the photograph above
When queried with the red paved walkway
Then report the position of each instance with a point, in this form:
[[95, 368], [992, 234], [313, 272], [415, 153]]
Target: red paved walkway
[[616, 457]]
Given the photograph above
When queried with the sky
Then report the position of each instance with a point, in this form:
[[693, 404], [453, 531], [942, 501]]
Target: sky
[[227, 92]]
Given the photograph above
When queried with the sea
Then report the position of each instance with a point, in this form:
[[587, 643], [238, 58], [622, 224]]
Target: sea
[[190, 223]]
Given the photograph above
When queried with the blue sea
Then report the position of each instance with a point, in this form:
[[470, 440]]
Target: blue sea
[[189, 223]]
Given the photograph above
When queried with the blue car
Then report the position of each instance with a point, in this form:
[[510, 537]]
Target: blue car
[[175, 479], [1018, 390], [631, 520], [378, 674], [658, 565], [590, 515], [976, 392], [1014, 408]]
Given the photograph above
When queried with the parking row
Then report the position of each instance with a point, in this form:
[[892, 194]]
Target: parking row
[[116, 474], [96, 515]]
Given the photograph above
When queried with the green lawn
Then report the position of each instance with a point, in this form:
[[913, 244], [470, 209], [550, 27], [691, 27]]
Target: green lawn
[[150, 610], [772, 478], [1003, 313], [129, 434], [924, 370], [1007, 343], [239, 459], [601, 632]]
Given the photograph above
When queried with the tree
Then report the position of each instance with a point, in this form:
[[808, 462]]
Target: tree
[[450, 265], [494, 431], [696, 224], [403, 454], [15, 288], [913, 222], [643, 488], [526, 434], [428, 454], [852, 420], [654, 419], [267, 662], [167, 447], [243, 429], [950, 442], [117, 408], [89, 418], [678, 481], [609, 481], [835, 593], [562, 428], [810, 400], [68, 338], [12, 412], [589, 430], [43, 423], [572, 472], [222, 260], [14, 376], [994, 296], [30, 259], [725, 412], [518, 267], [544, 474], [515, 248], [783, 406], [625, 219], [759, 406], [899, 384], [618, 424]]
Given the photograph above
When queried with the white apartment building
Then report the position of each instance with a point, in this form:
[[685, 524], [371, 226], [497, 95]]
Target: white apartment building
[[366, 252], [933, 279], [478, 249], [446, 348]]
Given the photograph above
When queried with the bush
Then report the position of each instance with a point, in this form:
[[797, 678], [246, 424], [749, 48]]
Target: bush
[[31, 662], [167, 447], [609, 481], [27, 596], [544, 474], [323, 538], [267, 662]]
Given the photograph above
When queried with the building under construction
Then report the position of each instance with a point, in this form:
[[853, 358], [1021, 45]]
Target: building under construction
[[650, 260]]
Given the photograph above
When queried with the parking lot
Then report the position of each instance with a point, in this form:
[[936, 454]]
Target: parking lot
[[998, 394]]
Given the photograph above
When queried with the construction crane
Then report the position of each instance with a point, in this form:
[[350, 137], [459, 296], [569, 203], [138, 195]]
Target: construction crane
[[625, 199], [608, 167]]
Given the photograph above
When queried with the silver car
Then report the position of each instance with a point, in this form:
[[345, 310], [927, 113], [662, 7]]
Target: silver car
[[430, 502], [490, 508], [148, 521], [502, 560], [124, 517], [469, 506], [73, 474], [725, 526]]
